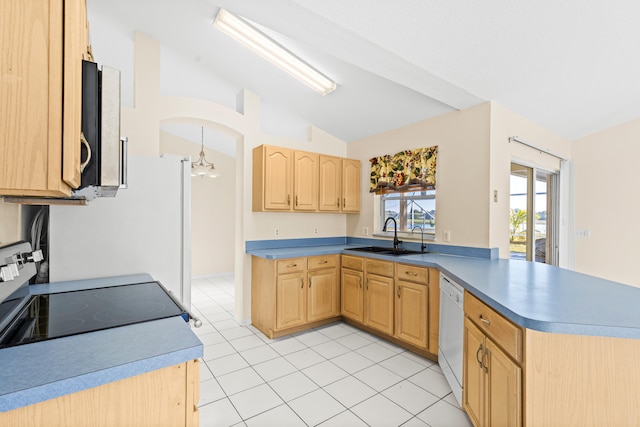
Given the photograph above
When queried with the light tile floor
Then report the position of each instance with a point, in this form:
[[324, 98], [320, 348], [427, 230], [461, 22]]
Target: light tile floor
[[335, 375]]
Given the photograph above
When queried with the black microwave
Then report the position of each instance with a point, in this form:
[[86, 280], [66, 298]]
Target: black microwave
[[103, 152]]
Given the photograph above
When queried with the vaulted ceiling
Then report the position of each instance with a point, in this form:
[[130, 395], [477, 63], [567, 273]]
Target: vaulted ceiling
[[572, 66]]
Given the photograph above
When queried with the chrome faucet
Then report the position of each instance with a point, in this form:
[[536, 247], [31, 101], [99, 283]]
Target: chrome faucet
[[422, 246], [396, 242]]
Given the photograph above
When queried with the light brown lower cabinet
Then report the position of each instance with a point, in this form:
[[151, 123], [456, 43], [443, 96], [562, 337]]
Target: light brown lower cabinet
[[399, 302], [492, 372], [165, 397], [412, 305], [293, 294], [492, 392]]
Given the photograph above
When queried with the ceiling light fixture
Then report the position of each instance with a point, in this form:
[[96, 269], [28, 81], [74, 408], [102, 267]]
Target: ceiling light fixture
[[252, 38], [202, 167]]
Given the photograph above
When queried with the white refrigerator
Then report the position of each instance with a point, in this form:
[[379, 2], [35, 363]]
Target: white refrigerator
[[145, 228]]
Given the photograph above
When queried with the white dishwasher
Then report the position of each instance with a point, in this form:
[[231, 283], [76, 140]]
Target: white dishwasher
[[451, 334]]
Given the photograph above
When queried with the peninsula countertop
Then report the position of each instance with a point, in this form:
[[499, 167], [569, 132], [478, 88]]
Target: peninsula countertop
[[532, 295], [44, 370]]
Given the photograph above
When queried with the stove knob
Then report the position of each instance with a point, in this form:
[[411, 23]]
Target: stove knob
[[15, 271], [5, 273]]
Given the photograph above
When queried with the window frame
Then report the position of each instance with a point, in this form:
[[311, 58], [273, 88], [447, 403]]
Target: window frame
[[403, 230]]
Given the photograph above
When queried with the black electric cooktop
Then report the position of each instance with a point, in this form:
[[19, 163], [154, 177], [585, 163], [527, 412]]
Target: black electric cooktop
[[62, 314]]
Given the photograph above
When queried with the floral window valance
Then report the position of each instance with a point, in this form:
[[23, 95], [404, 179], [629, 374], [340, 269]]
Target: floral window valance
[[409, 170]]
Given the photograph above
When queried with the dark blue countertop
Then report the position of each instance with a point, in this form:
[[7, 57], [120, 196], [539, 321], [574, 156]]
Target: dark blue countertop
[[533, 295], [44, 370]]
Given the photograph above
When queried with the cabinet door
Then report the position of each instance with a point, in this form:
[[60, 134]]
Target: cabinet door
[[277, 178], [350, 185], [352, 294], [504, 395], [305, 181], [412, 301], [378, 312], [330, 183], [473, 389], [323, 300], [31, 95], [290, 300]]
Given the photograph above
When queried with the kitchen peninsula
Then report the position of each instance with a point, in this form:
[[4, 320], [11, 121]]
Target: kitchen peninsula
[[580, 334]]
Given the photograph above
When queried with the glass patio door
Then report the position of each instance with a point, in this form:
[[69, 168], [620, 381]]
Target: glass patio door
[[533, 224]]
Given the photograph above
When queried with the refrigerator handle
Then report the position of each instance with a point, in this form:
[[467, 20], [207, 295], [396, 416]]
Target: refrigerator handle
[[124, 162]]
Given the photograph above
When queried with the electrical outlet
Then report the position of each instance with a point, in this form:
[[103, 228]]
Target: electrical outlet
[[365, 231], [315, 230], [447, 235], [583, 233], [276, 231]]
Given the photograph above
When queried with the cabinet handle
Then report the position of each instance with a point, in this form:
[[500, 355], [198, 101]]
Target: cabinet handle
[[411, 273], [292, 265], [296, 200], [398, 291], [478, 357], [301, 283], [367, 283], [485, 368], [324, 261], [483, 320], [360, 282], [310, 282], [344, 202], [84, 142], [338, 202], [288, 199]]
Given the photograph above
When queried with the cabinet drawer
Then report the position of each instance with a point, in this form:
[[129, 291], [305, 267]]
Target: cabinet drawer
[[412, 273], [352, 262], [324, 261], [290, 265], [382, 268], [502, 331]]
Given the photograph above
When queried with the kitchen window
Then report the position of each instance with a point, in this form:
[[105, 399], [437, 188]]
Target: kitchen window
[[410, 209]]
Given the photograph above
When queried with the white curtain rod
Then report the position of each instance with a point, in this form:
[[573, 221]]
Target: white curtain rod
[[535, 147]]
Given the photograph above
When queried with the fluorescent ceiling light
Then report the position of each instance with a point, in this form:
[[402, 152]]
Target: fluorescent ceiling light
[[252, 38]]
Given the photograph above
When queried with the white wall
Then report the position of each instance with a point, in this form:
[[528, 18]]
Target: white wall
[[505, 124], [9, 223], [462, 175], [607, 202]]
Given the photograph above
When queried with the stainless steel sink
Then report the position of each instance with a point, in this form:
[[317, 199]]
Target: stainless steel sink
[[382, 250]]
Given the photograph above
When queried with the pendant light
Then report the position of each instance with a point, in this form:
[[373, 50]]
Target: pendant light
[[202, 167]]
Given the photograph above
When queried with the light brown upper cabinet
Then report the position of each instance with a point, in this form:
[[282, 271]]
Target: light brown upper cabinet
[[350, 185], [339, 184], [305, 181], [287, 180], [43, 44]]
